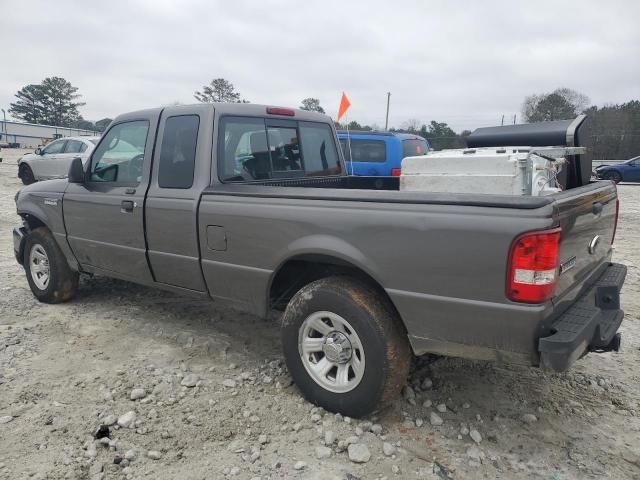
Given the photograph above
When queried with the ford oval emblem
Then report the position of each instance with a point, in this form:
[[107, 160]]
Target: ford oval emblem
[[593, 244]]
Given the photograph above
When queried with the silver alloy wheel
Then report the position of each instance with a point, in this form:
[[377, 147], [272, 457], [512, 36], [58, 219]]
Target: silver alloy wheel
[[331, 352], [39, 266]]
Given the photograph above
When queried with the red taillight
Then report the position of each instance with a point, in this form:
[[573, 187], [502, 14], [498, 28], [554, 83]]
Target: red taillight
[[615, 225], [533, 266], [395, 172], [287, 112]]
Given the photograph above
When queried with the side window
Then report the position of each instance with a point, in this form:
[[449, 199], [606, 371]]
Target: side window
[[178, 152], [73, 146], [119, 158], [366, 151], [83, 148], [243, 151], [319, 149], [54, 147]]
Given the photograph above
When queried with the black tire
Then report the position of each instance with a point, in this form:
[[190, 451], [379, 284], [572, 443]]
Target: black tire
[[615, 176], [26, 175], [376, 323], [63, 281]]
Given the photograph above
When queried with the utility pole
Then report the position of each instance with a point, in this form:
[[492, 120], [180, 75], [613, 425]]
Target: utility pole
[[502, 122], [4, 125], [514, 118], [386, 122]]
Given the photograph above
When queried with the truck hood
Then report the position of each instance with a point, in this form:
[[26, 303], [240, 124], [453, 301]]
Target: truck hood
[[58, 185], [54, 187]]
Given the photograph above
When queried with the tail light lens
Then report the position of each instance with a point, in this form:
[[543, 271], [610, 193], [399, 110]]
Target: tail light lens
[[615, 225], [533, 266], [395, 172]]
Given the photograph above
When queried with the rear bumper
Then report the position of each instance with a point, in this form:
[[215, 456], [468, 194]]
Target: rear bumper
[[590, 324], [19, 236]]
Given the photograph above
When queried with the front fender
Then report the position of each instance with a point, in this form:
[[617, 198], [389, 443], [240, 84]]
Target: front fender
[[41, 204]]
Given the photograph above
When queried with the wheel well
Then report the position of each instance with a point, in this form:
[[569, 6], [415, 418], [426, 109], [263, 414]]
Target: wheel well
[[302, 270], [32, 222]]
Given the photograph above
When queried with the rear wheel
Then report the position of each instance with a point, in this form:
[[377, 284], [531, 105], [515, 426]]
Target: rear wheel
[[344, 346], [26, 175], [50, 278], [615, 176]]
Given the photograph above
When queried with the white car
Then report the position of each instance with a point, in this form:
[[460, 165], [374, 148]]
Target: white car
[[53, 160]]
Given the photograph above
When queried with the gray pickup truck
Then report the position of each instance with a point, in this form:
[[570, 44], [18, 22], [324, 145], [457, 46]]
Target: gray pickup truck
[[249, 206]]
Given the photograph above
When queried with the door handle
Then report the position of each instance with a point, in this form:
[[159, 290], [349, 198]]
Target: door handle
[[127, 206], [596, 208]]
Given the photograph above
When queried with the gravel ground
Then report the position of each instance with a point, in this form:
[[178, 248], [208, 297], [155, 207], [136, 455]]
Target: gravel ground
[[183, 390]]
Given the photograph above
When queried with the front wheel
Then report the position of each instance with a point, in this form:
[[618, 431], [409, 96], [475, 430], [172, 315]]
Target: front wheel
[[344, 346], [615, 176], [50, 278], [26, 175]]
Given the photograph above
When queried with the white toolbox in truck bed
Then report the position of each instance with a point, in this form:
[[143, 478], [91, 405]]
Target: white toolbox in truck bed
[[493, 170]]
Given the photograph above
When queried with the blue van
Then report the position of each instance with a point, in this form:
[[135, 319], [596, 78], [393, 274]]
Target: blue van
[[379, 153]]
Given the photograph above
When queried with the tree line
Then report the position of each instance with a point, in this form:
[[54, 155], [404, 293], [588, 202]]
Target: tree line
[[54, 101], [616, 128]]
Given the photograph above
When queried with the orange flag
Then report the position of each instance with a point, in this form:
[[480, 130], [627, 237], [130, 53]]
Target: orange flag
[[344, 106]]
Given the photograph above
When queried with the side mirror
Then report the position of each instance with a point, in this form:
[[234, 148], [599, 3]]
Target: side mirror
[[76, 171], [38, 151]]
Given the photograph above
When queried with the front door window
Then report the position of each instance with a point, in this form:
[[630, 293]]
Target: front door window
[[119, 157]]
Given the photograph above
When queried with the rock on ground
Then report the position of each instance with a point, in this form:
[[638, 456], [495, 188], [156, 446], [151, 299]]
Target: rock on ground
[[126, 420], [137, 394], [359, 453], [154, 454], [190, 380], [435, 419]]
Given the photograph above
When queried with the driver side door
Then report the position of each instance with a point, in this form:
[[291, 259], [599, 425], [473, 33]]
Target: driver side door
[[104, 215]]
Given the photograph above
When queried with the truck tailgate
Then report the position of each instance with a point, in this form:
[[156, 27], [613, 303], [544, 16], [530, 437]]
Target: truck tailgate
[[587, 216]]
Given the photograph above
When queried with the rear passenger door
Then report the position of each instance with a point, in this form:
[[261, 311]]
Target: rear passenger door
[[63, 160], [172, 202]]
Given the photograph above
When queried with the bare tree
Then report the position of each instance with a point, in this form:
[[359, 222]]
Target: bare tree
[[561, 104], [411, 125]]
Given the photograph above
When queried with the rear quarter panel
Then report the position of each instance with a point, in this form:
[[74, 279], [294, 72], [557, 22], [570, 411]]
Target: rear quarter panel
[[443, 266]]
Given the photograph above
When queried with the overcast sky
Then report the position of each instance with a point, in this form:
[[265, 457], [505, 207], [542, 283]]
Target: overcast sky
[[465, 63]]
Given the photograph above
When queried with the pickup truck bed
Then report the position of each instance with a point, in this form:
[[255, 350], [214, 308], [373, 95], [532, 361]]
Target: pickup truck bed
[[421, 272], [364, 273]]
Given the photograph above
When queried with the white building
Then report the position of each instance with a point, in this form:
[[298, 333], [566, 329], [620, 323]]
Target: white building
[[31, 135]]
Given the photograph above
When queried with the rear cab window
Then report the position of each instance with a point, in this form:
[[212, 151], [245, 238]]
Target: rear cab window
[[251, 149], [414, 147]]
